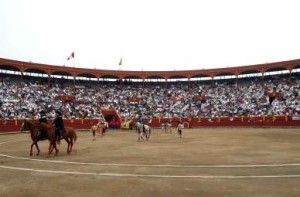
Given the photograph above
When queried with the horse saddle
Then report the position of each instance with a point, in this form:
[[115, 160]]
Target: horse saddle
[[42, 134]]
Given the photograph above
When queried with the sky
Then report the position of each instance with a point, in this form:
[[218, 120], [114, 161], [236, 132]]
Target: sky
[[150, 35]]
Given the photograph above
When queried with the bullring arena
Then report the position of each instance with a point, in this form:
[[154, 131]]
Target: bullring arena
[[205, 162], [240, 137]]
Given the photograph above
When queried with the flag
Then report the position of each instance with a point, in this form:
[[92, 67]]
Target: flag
[[71, 56], [120, 63]]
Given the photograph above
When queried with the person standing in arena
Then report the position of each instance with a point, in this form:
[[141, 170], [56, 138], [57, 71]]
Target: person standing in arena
[[179, 129]]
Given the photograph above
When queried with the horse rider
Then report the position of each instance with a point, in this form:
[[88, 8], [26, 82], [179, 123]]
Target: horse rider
[[42, 119], [101, 124], [142, 121], [59, 124]]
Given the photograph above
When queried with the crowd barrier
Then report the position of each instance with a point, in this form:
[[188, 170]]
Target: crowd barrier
[[13, 125]]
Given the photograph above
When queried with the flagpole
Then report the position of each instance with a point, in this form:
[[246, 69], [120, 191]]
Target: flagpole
[[120, 63], [73, 67]]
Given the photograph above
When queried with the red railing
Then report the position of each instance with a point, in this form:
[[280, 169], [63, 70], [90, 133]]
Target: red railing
[[7, 126]]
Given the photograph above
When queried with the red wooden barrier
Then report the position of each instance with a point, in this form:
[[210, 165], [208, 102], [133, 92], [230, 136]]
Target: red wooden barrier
[[10, 125]]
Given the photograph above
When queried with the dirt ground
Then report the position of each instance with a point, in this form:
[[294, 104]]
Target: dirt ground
[[205, 162]]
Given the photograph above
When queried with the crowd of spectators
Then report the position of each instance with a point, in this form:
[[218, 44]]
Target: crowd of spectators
[[275, 95]]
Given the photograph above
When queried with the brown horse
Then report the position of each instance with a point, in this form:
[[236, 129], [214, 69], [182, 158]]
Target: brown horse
[[98, 128], [49, 133], [70, 137]]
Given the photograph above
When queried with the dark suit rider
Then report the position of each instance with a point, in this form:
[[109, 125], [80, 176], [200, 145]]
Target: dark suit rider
[[59, 124]]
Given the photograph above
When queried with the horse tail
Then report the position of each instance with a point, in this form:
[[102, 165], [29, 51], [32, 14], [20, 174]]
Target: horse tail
[[75, 136]]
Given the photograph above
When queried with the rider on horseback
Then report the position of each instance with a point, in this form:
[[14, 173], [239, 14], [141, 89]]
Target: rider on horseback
[[101, 124], [59, 124], [142, 121], [42, 119]]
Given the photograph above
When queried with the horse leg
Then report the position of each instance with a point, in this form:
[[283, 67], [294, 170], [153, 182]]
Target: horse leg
[[180, 132], [50, 150], [103, 132], [31, 148], [148, 135], [68, 148], [142, 135], [71, 145], [55, 147], [37, 147], [69, 141], [94, 134]]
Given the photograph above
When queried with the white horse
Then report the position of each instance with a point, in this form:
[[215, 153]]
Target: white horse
[[143, 131]]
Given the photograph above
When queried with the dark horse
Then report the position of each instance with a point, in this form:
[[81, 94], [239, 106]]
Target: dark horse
[[49, 133]]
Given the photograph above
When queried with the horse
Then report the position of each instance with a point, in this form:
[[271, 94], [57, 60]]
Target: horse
[[146, 131], [98, 128], [70, 137], [49, 133]]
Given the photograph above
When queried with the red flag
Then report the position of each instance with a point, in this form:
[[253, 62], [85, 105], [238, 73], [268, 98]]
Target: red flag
[[71, 56]]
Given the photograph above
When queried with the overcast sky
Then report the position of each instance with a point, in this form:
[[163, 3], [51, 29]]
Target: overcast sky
[[150, 35]]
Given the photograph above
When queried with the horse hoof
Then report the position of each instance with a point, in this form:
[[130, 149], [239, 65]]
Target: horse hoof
[[30, 154]]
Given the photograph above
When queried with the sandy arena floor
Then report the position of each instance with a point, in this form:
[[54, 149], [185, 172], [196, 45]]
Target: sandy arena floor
[[206, 162]]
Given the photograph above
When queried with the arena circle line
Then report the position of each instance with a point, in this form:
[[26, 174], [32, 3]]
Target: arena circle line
[[152, 165], [157, 165], [152, 175]]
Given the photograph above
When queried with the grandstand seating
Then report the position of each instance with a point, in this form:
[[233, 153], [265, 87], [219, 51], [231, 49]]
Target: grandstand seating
[[268, 96]]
